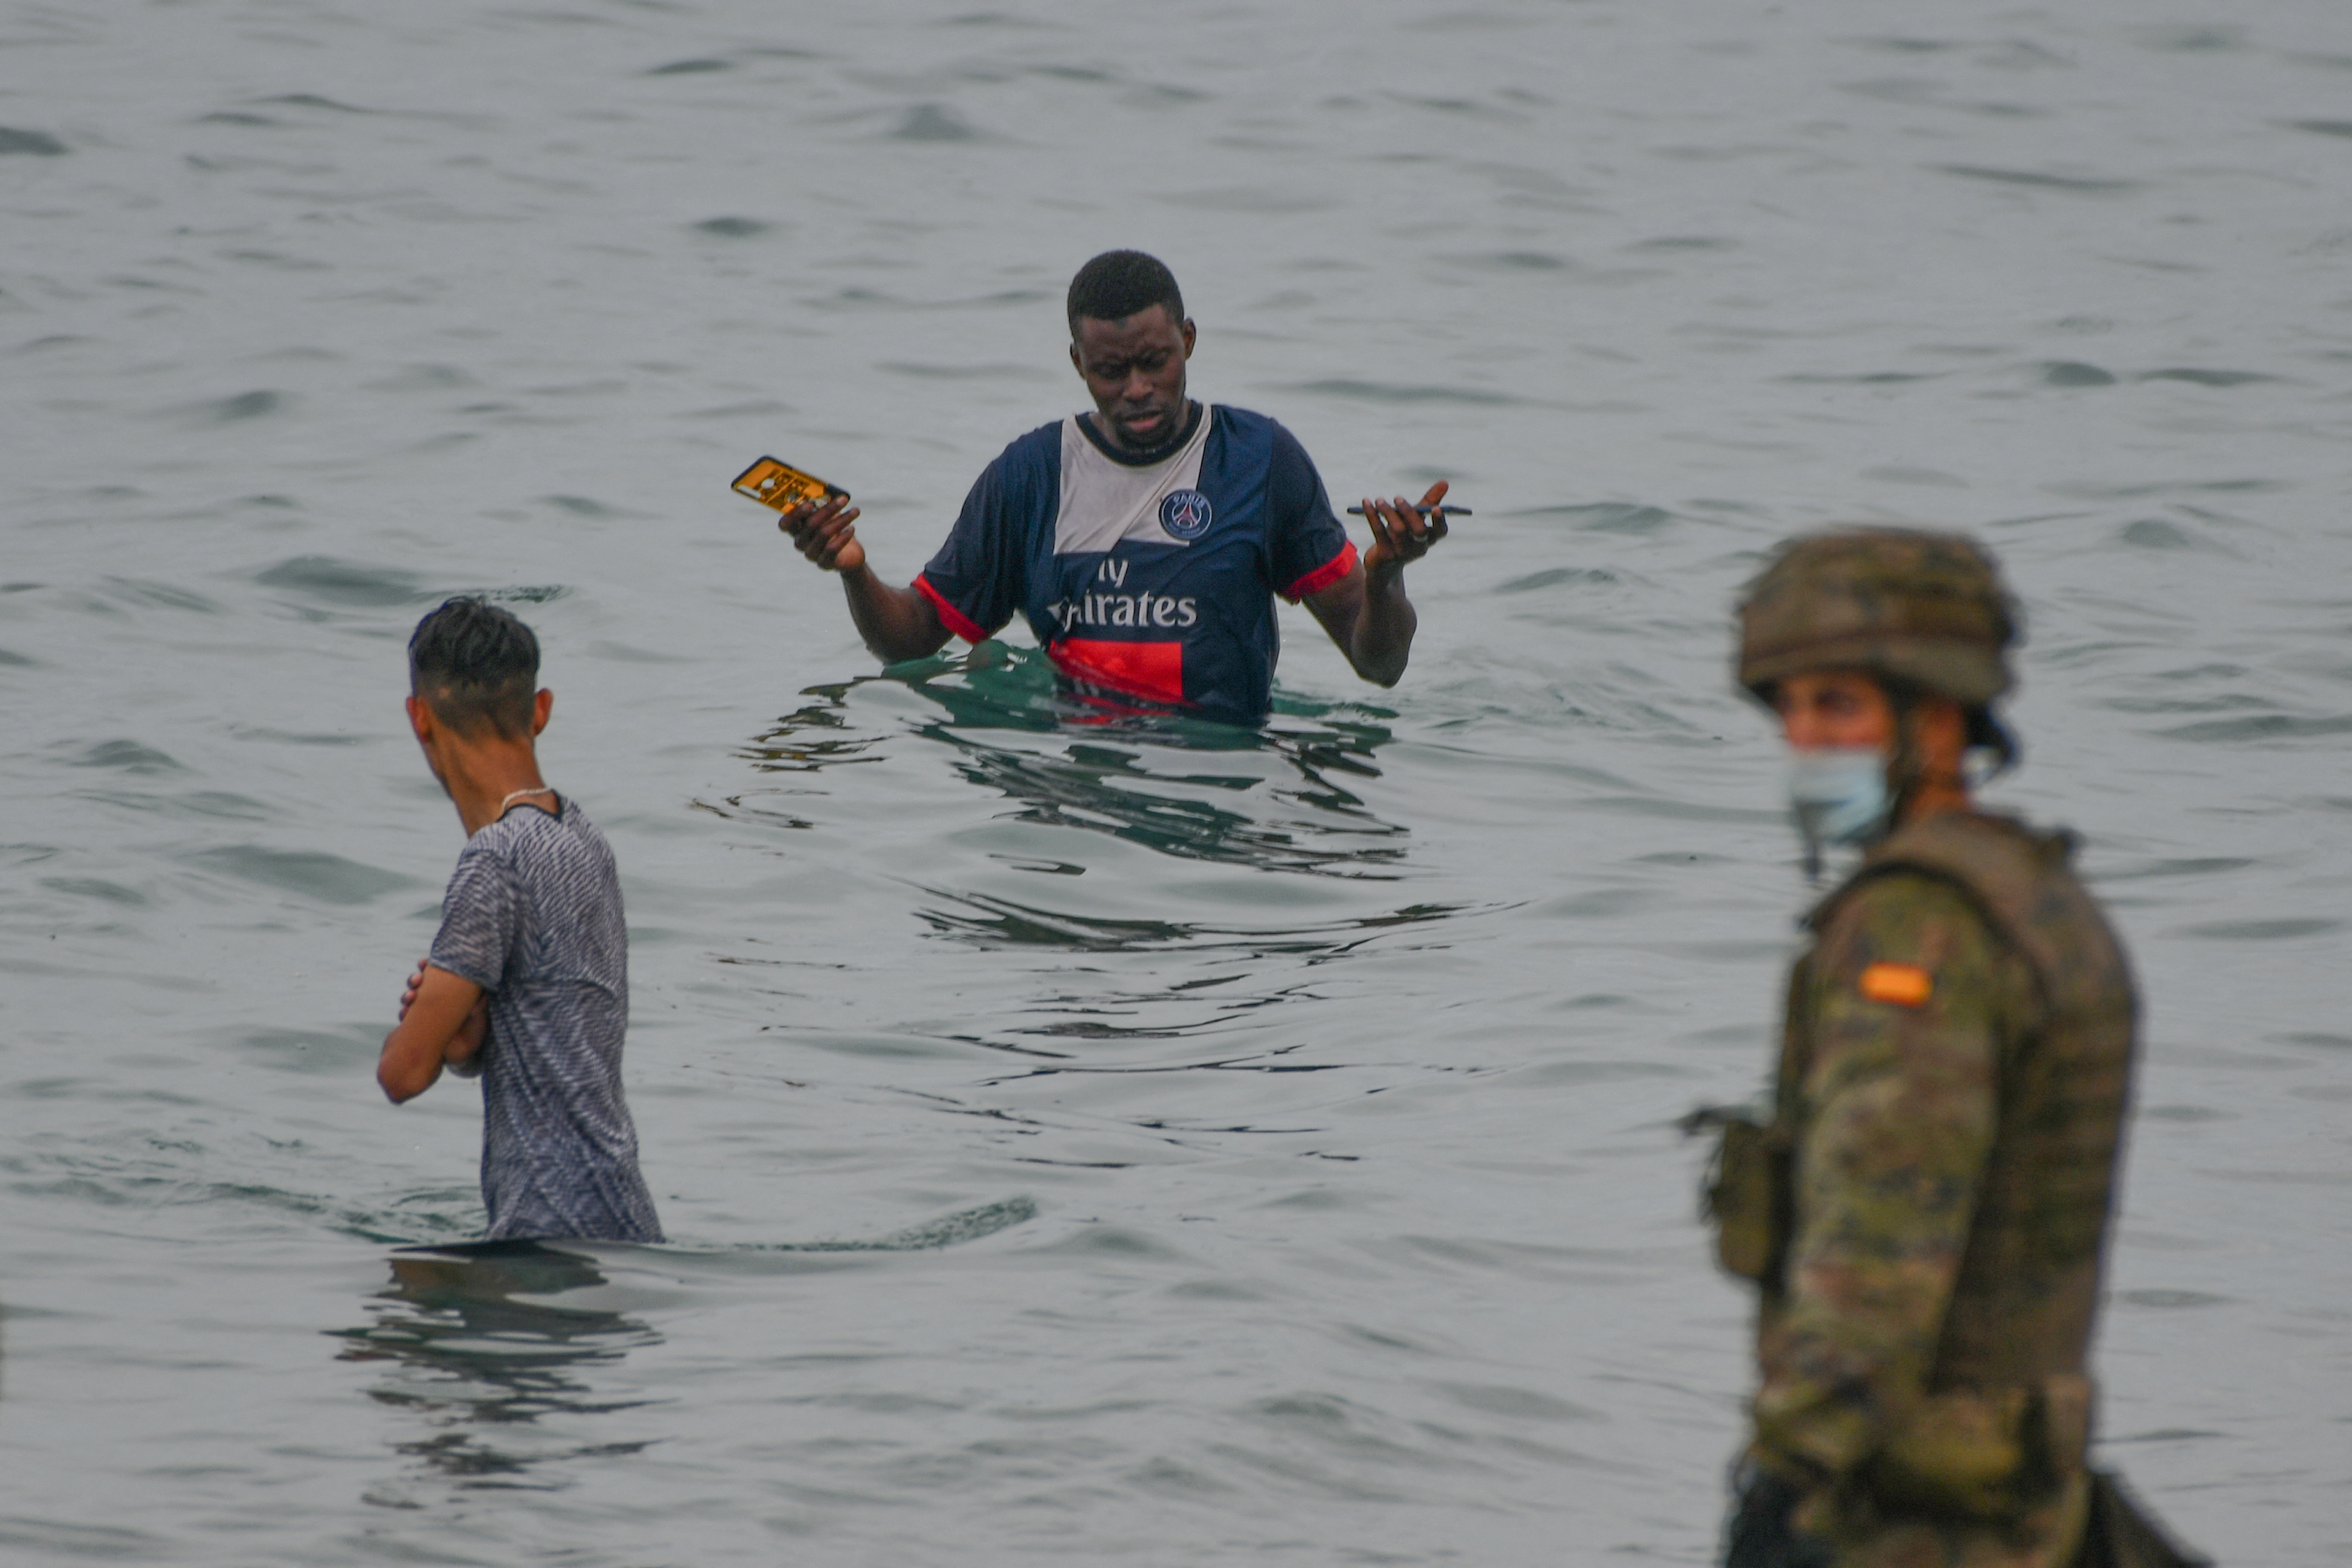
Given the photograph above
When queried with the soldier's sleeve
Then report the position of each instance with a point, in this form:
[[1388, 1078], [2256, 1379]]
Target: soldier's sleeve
[[1908, 992]]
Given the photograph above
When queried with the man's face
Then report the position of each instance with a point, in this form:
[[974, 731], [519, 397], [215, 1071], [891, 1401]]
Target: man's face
[[1135, 369], [1835, 708]]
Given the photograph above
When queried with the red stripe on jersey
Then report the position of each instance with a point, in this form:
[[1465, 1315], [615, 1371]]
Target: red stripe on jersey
[[955, 620], [1323, 576], [1153, 669]]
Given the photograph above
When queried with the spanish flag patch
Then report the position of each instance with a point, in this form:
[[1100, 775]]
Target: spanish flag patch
[[1905, 985]]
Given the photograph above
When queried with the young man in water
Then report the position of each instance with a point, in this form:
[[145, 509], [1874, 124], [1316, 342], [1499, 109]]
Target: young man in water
[[1145, 542], [528, 981]]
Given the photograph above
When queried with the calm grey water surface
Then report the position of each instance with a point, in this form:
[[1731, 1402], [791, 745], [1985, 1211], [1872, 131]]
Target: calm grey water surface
[[1235, 1148]]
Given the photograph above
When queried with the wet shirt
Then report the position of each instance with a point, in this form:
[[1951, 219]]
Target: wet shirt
[[1152, 579], [533, 915]]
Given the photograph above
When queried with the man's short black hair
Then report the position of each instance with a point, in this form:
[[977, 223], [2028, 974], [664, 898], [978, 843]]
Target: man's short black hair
[[1117, 284], [475, 665]]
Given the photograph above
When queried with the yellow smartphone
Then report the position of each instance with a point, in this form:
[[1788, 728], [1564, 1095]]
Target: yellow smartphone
[[783, 486]]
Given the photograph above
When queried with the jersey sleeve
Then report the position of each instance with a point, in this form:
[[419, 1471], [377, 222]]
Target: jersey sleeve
[[1910, 997], [1309, 547], [481, 917], [975, 580]]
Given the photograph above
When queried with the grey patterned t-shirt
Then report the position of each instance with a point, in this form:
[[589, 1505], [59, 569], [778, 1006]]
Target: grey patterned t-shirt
[[533, 915]]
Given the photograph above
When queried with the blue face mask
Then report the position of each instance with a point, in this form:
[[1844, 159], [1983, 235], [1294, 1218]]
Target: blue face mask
[[1839, 796]]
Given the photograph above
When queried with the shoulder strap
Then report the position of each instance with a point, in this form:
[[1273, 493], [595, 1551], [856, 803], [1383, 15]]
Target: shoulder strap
[[2000, 866]]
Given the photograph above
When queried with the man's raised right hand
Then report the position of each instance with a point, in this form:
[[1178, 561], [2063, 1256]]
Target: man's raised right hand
[[824, 533], [896, 624]]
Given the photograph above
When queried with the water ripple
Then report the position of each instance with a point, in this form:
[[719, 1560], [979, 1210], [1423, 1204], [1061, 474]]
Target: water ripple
[[311, 873], [35, 144]]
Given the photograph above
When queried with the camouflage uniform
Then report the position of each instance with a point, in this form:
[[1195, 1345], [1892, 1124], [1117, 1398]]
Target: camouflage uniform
[[1951, 1093], [1925, 1214]]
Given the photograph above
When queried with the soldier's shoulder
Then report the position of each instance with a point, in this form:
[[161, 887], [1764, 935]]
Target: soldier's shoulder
[[1896, 901], [1907, 944], [1980, 846]]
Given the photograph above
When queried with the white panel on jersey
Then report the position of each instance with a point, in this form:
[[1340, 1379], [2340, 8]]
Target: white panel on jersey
[[1103, 503]]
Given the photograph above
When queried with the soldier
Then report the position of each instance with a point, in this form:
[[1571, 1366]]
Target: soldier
[[1927, 1211]]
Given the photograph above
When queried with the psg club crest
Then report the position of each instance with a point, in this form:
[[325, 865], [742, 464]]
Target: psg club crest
[[1185, 514]]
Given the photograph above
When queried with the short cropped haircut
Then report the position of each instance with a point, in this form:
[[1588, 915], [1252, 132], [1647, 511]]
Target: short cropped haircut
[[475, 665], [1117, 284]]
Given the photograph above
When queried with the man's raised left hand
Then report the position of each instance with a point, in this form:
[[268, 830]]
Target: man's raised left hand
[[1404, 532]]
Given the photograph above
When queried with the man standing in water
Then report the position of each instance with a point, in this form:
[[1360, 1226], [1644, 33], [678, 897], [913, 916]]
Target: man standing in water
[[528, 983], [1145, 542], [1927, 1212]]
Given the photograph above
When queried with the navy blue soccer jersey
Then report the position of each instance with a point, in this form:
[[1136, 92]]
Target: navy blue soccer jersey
[[1155, 579]]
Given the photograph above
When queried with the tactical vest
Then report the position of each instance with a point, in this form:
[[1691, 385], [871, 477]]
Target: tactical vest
[[2008, 1404]]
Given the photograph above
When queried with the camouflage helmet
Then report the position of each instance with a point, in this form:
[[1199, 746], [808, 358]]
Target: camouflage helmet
[[1928, 609]]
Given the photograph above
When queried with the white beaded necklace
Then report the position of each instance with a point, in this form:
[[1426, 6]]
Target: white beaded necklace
[[520, 794]]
